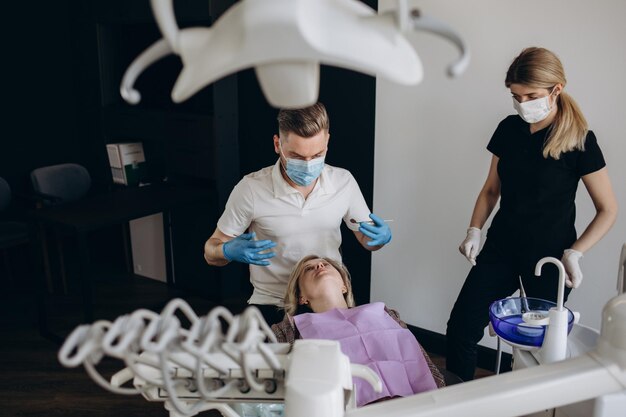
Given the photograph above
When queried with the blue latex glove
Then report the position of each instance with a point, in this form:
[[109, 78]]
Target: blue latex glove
[[379, 232], [245, 249]]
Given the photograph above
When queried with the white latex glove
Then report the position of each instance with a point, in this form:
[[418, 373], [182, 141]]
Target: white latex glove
[[470, 246], [570, 261]]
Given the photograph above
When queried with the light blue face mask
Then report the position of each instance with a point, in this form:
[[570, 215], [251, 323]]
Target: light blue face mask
[[303, 172]]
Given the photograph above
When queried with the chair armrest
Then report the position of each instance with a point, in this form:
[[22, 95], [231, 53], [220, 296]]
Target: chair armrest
[[40, 198]]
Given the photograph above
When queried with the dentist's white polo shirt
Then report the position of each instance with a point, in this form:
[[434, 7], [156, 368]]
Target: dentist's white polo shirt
[[263, 202]]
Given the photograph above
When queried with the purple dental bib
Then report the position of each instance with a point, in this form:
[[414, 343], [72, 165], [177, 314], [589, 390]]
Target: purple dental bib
[[369, 336]]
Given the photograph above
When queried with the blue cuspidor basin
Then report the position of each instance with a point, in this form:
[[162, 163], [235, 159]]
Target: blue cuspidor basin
[[506, 319]]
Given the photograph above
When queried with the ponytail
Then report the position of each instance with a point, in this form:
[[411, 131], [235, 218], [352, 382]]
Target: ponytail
[[569, 129]]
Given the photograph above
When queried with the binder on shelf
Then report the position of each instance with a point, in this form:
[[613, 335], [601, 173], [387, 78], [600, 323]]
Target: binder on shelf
[[128, 162]]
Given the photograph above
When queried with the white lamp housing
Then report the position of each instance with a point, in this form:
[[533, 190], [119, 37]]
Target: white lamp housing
[[286, 41]]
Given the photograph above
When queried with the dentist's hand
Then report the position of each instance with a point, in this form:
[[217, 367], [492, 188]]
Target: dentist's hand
[[570, 260], [470, 246], [379, 232], [245, 249]]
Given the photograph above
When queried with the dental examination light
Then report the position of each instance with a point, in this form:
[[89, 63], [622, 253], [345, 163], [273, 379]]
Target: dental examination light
[[203, 367], [286, 41]]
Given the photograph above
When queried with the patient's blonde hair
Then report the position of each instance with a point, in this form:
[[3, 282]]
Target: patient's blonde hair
[[293, 287], [541, 68]]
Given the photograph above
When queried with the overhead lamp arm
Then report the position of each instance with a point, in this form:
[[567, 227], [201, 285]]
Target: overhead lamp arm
[[420, 21], [166, 20], [156, 51]]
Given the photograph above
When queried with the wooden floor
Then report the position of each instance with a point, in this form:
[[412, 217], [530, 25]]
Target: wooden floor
[[33, 383]]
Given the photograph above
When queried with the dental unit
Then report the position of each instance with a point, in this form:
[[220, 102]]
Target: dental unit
[[286, 41], [201, 367], [537, 330]]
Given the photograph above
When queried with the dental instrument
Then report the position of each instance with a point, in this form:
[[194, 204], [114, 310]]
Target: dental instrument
[[286, 41], [354, 221], [202, 367]]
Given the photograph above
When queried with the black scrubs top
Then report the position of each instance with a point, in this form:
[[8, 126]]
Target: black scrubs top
[[537, 210]]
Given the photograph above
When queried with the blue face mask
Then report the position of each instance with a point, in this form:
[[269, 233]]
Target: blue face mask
[[303, 172]]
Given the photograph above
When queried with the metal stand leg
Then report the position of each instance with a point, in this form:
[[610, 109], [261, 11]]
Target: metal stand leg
[[61, 263], [41, 280], [86, 278], [46, 257]]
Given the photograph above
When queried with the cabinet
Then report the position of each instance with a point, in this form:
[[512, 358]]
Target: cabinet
[[194, 142]]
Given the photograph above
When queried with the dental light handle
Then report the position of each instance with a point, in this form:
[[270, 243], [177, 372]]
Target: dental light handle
[[156, 51], [430, 24], [163, 11], [166, 19]]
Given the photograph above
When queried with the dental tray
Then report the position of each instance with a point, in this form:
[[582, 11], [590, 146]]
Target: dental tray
[[522, 321]]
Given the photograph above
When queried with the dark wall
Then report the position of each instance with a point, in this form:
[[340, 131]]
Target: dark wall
[[72, 108], [43, 115]]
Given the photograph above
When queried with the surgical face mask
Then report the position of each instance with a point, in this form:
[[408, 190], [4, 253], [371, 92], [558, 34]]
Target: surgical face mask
[[303, 172], [533, 111]]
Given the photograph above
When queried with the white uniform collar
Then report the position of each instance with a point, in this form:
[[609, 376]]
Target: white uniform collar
[[282, 187]]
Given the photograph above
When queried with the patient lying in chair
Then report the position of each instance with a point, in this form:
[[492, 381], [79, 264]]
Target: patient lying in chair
[[371, 334]]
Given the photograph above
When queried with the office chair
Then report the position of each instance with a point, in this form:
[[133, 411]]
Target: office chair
[[12, 233], [55, 185], [59, 184]]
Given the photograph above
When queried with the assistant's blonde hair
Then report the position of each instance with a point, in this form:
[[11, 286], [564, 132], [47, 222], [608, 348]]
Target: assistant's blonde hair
[[293, 288], [541, 68]]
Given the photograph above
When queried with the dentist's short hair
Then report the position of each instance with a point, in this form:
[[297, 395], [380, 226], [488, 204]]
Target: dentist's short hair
[[305, 122]]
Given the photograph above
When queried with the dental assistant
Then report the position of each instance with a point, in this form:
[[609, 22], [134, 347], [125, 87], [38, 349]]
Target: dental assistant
[[283, 212], [538, 158]]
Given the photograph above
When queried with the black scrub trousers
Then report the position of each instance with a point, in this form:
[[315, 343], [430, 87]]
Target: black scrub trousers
[[535, 219]]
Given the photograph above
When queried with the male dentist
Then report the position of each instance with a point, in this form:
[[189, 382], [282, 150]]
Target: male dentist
[[276, 216]]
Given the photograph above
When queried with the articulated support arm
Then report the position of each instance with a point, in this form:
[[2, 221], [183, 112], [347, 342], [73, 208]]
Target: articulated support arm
[[202, 367]]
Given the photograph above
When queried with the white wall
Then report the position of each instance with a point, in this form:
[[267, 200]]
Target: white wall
[[431, 160]]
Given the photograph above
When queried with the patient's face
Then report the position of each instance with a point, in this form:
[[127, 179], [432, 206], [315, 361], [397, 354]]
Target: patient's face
[[319, 278]]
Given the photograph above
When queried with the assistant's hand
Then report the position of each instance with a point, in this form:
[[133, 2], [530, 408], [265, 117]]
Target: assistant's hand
[[379, 232], [570, 261], [245, 249], [470, 246]]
